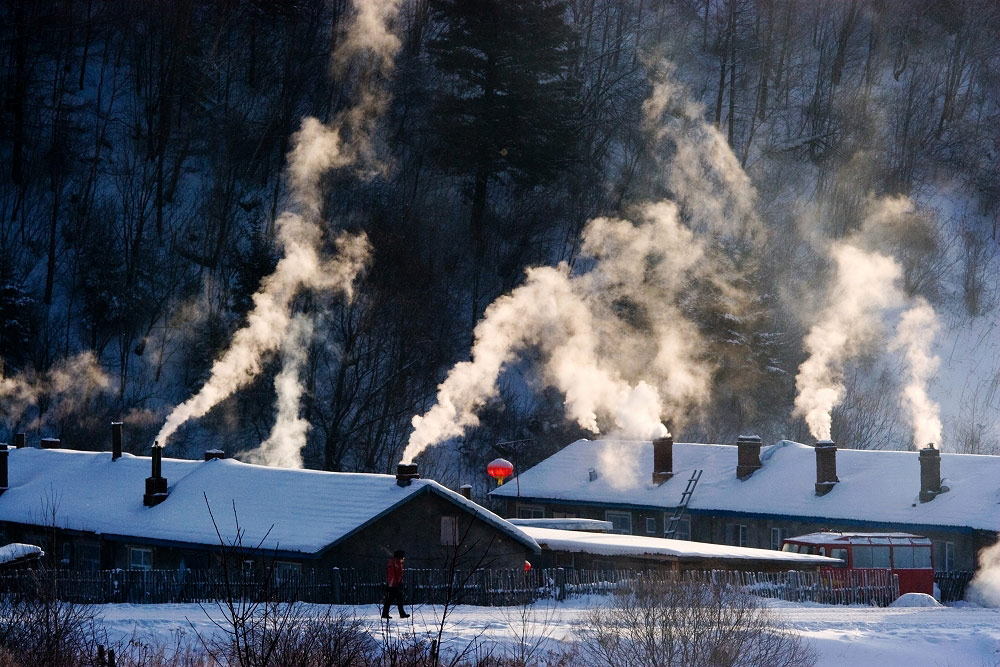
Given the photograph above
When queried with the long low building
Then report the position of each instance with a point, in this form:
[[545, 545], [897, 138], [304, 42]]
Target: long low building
[[88, 510], [607, 551], [750, 495]]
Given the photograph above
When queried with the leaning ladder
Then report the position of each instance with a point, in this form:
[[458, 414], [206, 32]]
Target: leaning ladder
[[682, 507]]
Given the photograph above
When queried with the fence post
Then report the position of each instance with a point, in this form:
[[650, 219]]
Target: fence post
[[561, 584], [335, 585]]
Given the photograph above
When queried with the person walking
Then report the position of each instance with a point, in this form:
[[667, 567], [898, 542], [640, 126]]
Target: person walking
[[394, 581]]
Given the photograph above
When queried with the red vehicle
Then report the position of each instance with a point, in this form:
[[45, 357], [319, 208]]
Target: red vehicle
[[904, 554]]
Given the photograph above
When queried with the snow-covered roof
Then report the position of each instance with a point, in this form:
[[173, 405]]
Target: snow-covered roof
[[297, 510], [10, 553], [566, 523], [874, 487], [828, 537], [636, 545]]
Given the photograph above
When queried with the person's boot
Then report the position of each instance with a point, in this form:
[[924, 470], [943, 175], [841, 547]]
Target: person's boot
[[403, 614]]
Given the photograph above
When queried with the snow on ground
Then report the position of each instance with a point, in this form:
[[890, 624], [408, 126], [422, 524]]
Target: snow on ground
[[956, 636]]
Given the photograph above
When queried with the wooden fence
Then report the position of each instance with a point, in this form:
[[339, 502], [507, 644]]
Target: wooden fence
[[425, 586], [953, 584]]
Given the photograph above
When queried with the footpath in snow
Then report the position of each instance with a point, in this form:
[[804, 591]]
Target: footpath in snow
[[957, 636]]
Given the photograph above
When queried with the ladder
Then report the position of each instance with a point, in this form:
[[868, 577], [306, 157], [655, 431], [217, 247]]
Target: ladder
[[679, 510]]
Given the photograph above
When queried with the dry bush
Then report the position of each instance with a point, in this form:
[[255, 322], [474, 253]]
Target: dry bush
[[39, 630], [689, 625]]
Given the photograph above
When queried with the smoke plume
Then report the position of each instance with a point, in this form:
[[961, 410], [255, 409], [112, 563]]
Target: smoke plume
[[612, 337], [288, 435], [984, 589], [914, 336], [63, 390], [864, 286], [317, 148]]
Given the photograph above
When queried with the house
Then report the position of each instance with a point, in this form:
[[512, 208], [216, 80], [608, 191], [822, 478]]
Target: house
[[87, 510], [574, 543], [748, 495]]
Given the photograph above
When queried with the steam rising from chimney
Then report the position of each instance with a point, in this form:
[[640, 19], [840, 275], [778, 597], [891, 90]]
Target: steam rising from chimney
[[615, 372], [317, 148], [284, 446], [914, 336], [864, 286], [984, 589]]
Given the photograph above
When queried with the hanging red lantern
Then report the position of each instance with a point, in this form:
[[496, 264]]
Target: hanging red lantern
[[500, 469]]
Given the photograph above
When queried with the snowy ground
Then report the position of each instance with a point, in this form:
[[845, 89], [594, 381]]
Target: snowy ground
[[962, 636]]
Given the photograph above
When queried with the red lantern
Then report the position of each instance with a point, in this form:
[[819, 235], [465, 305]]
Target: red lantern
[[500, 469]]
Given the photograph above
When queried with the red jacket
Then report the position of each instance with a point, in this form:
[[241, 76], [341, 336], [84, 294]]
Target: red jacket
[[394, 572]]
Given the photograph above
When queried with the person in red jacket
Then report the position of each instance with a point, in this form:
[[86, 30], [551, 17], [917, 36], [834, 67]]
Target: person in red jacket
[[394, 581]]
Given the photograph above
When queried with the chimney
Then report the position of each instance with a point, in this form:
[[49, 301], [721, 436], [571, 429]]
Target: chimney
[[466, 490], [747, 456], [3, 467], [156, 484], [213, 454], [18, 440], [826, 466], [930, 474], [116, 440], [406, 473], [51, 443], [663, 459]]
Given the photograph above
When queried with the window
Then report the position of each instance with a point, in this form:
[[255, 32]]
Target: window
[[791, 548], [880, 557], [777, 535], [449, 531], [140, 559], [530, 512], [67, 554], [862, 556], [621, 522], [650, 526], [683, 530], [902, 558], [736, 534], [947, 559], [841, 554], [922, 557]]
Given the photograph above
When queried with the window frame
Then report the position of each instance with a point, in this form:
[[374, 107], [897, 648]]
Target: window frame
[[737, 534], [611, 515], [650, 525], [449, 531], [132, 551], [780, 532]]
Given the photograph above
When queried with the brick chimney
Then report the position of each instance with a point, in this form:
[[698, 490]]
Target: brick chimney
[[213, 454], [826, 466], [930, 474], [406, 473], [116, 440], [663, 459], [3, 467], [156, 484], [747, 456], [51, 443], [466, 491], [18, 440]]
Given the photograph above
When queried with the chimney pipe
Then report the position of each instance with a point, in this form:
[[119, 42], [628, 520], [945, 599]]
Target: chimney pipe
[[466, 490], [116, 440], [4, 451], [213, 454], [930, 474], [663, 459], [826, 466], [406, 473], [156, 484], [747, 456], [18, 440], [51, 443]]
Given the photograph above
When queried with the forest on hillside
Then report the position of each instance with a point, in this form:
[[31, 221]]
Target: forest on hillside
[[144, 150]]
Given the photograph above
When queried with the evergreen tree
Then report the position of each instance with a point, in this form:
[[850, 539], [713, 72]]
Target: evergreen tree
[[507, 106]]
